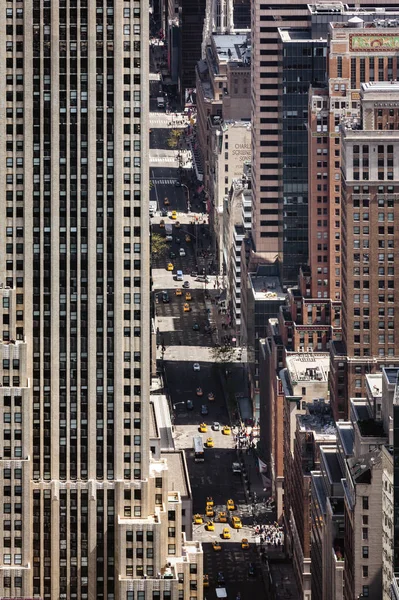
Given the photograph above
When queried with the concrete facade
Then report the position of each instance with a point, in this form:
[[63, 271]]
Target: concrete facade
[[87, 510]]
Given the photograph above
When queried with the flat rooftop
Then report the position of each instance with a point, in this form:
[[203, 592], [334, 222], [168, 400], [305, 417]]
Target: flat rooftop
[[308, 367], [322, 425], [380, 22], [374, 384], [177, 473], [331, 462], [153, 423], [391, 373], [346, 435], [298, 35], [340, 7], [164, 424], [380, 87], [266, 287], [230, 48]]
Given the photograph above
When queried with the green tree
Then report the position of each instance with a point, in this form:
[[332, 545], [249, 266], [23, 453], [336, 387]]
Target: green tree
[[174, 137], [222, 354], [158, 244]]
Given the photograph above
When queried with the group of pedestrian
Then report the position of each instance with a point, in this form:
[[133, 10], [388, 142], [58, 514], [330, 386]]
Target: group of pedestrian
[[271, 535]]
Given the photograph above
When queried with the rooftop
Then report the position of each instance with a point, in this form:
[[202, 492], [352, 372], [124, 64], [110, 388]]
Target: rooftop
[[231, 48], [374, 384], [266, 287], [361, 467], [346, 435], [319, 489], [321, 425], [360, 414], [297, 35], [177, 473], [304, 367], [391, 374], [153, 423], [379, 87], [333, 466]]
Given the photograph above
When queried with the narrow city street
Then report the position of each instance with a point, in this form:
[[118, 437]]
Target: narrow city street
[[185, 338]]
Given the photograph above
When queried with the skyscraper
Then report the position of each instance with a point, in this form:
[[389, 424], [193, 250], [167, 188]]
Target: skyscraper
[[86, 510]]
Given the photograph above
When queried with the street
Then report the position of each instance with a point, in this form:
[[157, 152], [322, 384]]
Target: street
[[183, 339]]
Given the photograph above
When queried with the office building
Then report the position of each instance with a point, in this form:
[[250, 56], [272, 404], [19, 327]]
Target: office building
[[87, 511], [267, 113], [304, 433], [369, 238], [236, 225], [184, 31]]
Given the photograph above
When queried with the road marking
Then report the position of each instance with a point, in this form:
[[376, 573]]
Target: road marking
[[163, 159], [158, 181]]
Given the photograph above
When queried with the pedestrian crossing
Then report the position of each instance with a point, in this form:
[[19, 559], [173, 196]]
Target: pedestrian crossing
[[166, 121], [163, 159], [163, 181]]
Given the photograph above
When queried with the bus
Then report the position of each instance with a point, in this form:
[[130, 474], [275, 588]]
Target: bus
[[198, 448]]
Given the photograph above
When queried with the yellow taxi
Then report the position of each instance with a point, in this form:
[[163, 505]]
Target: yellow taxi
[[203, 428], [199, 391], [186, 307], [210, 526], [209, 501], [188, 296], [205, 581], [211, 396], [170, 267], [236, 522], [244, 544], [230, 504], [209, 512], [162, 224], [177, 225], [209, 443], [226, 430], [222, 517], [217, 546], [166, 201], [198, 520], [179, 292], [188, 239], [174, 215], [226, 535]]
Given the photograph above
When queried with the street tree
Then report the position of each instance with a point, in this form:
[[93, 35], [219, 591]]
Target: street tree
[[222, 354], [174, 137], [159, 245]]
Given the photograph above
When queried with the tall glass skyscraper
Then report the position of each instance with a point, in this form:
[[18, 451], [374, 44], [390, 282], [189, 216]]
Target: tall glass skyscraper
[[86, 511]]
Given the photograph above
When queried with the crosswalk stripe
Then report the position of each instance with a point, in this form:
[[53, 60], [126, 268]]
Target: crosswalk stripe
[[163, 181]]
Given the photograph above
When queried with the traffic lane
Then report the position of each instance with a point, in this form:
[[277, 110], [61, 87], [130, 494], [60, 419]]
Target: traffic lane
[[167, 189], [183, 382], [232, 561], [186, 263], [214, 477], [159, 136]]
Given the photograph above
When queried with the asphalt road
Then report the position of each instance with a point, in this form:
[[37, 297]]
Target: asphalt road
[[183, 347]]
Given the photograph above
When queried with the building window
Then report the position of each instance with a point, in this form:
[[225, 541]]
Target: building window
[[365, 502], [365, 551], [365, 571]]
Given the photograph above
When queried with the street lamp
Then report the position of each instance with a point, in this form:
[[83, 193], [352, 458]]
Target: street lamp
[[188, 196], [177, 403]]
